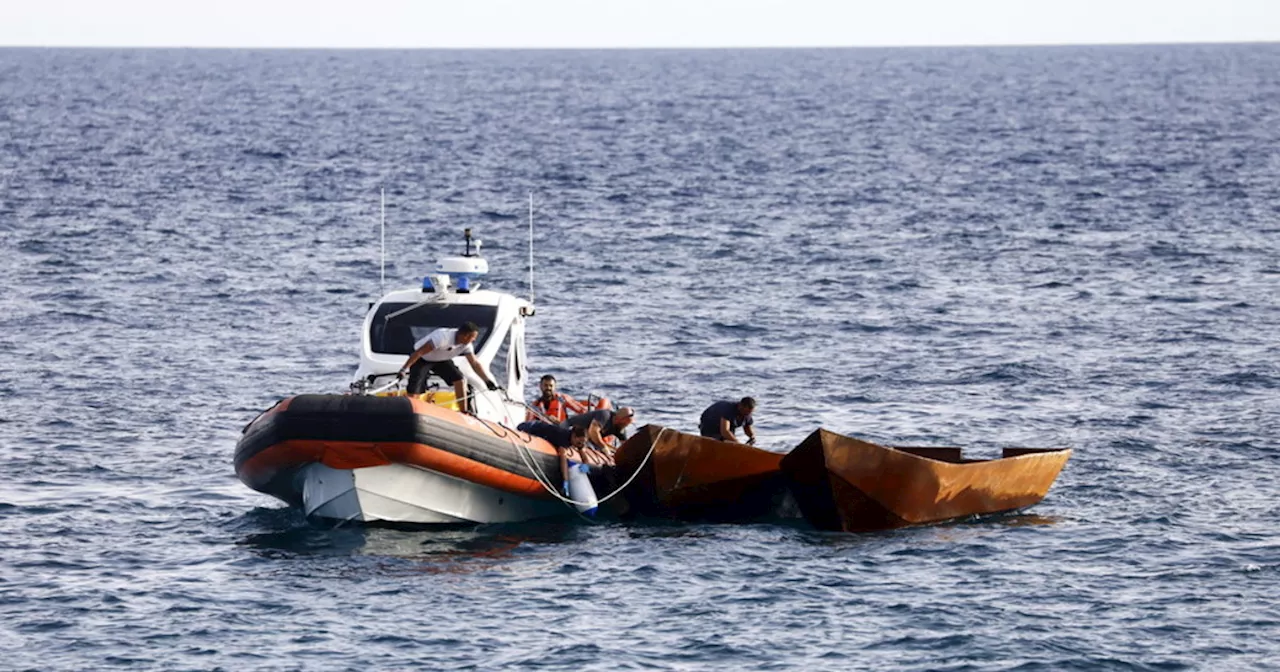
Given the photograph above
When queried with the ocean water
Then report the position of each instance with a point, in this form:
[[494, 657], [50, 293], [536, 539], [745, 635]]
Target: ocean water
[[977, 247]]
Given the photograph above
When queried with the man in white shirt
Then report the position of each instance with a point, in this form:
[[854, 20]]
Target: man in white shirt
[[434, 353]]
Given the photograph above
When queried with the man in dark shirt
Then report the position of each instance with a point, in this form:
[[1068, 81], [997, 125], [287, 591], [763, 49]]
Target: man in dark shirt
[[570, 444], [602, 423], [721, 419], [557, 436]]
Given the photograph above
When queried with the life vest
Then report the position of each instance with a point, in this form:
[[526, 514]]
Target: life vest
[[562, 406], [558, 408]]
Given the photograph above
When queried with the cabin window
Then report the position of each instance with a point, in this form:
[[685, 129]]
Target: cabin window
[[498, 367], [396, 335]]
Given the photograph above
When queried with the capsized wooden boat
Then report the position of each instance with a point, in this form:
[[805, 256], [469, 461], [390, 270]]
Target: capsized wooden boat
[[843, 483], [694, 477]]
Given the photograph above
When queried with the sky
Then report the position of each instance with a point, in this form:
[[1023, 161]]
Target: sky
[[629, 23]]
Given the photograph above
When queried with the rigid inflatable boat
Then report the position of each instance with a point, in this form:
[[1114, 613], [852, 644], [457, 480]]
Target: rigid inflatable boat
[[379, 454], [396, 459]]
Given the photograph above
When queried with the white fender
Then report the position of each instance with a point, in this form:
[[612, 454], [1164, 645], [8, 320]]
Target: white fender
[[580, 490]]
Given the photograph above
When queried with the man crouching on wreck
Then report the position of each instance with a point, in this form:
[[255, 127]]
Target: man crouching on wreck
[[721, 419]]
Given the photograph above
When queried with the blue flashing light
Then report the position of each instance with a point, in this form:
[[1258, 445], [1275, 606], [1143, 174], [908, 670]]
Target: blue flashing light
[[426, 284], [464, 282]]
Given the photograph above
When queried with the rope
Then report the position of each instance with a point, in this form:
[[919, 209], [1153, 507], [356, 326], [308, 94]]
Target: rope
[[523, 450], [538, 474], [461, 401], [545, 481], [525, 456], [537, 413], [384, 388], [346, 520], [472, 395], [526, 453], [541, 477]]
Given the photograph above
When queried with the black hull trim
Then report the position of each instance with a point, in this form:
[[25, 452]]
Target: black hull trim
[[358, 418]]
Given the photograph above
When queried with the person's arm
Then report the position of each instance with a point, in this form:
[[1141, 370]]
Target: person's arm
[[593, 435], [416, 355], [575, 407], [726, 433], [751, 433], [479, 369], [610, 444], [564, 468]]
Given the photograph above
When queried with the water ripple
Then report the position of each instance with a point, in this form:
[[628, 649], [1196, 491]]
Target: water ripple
[[974, 247]]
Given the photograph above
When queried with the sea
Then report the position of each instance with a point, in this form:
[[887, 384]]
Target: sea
[[978, 247]]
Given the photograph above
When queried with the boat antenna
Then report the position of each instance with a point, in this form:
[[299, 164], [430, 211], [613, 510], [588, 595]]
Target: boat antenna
[[382, 282], [531, 247]]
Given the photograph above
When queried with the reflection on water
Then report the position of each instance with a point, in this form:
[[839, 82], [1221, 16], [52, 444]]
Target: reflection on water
[[470, 547], [440, 548], [481, 542], [958, 530], [1025, 520]]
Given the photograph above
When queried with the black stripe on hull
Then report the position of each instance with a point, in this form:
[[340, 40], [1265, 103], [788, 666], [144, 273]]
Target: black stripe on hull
[[334, 417]]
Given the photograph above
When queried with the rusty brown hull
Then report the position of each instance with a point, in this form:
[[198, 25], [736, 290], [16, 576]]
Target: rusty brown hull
[[843, 483], [695, 478]]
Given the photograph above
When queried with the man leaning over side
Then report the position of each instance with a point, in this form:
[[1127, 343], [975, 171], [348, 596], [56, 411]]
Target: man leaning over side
[[723, 417]]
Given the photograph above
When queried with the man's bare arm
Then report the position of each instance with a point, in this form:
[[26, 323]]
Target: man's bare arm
[[418, 354]]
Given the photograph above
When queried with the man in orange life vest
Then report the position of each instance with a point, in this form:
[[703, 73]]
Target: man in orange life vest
[[556, 406]]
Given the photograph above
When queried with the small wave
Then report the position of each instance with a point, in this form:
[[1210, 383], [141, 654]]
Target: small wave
[[865, 327], [562, 177], [1246, 379], [1028, 159], [903, 285], [1154, 298], [1016, 372], [739, 328], [674, 239], [1171, 251], [81, 317], [264, 154]]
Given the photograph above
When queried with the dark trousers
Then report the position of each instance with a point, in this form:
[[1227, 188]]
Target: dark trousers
[[422, 370]]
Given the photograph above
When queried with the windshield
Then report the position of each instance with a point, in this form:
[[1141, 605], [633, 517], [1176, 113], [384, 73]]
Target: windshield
[[397, 335]]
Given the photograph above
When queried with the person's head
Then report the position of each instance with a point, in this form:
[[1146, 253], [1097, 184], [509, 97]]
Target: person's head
[[548, 385], [623, 417], [578, 437], [467, 333], [746, 406]]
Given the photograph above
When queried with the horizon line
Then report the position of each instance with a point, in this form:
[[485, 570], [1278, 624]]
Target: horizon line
[[957, 45]]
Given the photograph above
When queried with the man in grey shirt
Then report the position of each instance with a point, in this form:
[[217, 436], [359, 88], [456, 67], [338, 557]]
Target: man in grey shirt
[[602, 423]]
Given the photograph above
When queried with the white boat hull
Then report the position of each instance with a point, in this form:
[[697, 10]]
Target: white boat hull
[[398, 493]]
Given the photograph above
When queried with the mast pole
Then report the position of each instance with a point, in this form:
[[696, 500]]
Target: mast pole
[[531, 247], [382, 282]]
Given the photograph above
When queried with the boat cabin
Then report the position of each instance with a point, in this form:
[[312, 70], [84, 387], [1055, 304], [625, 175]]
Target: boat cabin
[[449, 298]]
